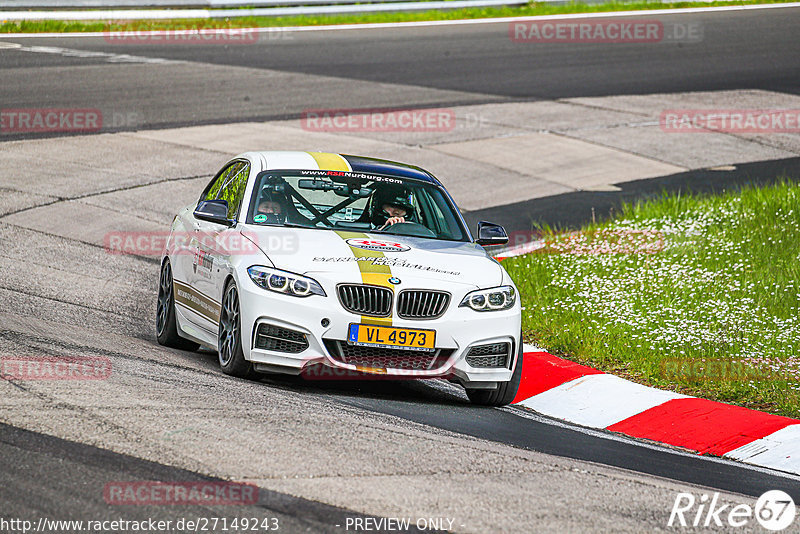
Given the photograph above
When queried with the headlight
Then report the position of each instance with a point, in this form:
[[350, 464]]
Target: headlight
[[494, 299], [283, 282]]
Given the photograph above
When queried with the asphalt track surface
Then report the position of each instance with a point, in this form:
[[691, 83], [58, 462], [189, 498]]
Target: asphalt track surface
[[434, 66], [35, 465], [270, 79]]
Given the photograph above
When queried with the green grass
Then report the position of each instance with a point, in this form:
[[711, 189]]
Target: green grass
[[314, 20], [697, 294]]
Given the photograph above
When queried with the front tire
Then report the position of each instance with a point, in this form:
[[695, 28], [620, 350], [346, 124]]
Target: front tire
[[504, 393], [166, 322], [231, 356]]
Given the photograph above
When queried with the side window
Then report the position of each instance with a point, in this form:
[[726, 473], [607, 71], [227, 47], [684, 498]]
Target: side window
[[213, 189], [436, 217], [442, 217], [233, 189]]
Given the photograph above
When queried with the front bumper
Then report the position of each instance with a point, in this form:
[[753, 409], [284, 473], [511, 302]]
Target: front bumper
[[457, 331]]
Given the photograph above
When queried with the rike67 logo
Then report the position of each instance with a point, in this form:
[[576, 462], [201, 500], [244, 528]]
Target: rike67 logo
[[774, 510]]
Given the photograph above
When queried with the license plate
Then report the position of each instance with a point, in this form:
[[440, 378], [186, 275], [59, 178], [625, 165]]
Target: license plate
[[389, 336]]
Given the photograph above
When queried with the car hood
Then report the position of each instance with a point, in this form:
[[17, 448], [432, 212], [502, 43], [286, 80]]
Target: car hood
[[342, 255]]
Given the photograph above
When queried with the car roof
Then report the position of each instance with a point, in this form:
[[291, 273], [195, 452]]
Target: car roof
[[330, 161]]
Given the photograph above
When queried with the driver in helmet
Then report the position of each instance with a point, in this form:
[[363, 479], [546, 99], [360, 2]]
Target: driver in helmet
[[391, 207], [270, 210]]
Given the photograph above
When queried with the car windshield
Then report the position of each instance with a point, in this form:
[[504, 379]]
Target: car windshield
[[354, 201]]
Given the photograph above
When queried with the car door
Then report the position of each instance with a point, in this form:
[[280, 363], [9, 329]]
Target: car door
[[216, 243], [193, 306]]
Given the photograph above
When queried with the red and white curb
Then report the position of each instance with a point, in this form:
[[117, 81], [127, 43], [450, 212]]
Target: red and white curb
[[565, 390]]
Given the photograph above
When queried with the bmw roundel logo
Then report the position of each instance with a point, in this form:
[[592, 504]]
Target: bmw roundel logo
[[394, 280]]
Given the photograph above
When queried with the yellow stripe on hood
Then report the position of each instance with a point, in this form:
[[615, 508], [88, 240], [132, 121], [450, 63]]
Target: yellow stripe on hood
[[328, 161], [376, 275]]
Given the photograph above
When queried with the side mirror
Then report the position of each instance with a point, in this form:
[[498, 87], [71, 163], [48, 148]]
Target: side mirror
[[215, 211], [491, 234]]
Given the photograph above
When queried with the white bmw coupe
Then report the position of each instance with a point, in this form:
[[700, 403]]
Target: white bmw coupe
[[294, 261]]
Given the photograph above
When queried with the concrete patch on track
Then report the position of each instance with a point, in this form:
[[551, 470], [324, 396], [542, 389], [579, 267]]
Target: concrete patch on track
[[477, 183], [81, 222], [85, 285], [534, 149], [698, 151], [154, 202], [71, 167], [554, 158], [465, 177], [12, 200], [694, 150], [278, 135]]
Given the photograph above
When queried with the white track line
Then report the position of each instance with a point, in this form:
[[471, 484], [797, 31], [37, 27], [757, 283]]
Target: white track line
[[170, 14], [418, 24], [71, 52]]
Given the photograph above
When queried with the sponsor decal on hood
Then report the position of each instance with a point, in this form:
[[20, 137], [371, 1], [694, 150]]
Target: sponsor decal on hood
[[303, 251], [389, 262], [377, 245]]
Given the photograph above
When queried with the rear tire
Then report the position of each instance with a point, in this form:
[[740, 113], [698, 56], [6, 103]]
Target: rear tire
[[505, 392], [166, 323], [229, 346]]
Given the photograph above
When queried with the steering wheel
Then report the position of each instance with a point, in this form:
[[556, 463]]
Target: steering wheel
[[411, 229]]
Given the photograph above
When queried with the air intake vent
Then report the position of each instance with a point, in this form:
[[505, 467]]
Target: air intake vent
[[422, 304], [270, 337], [492, 355], [387, 358], [366, 300]]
